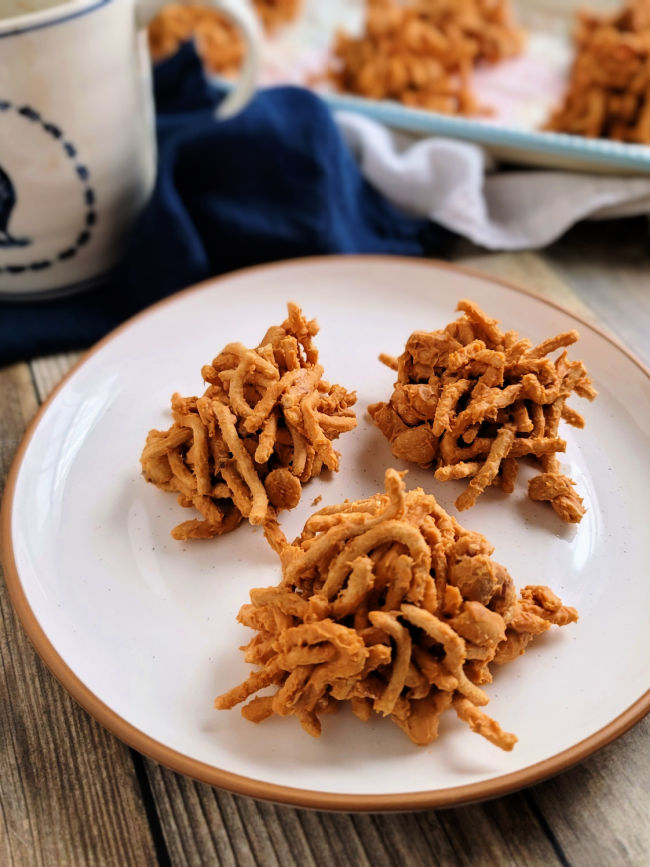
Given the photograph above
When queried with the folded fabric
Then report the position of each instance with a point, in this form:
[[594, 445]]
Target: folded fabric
[[457, 184], [274, 182]]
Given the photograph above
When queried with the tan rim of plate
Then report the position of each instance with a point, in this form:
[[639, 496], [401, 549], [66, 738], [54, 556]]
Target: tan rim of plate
[[183, 764]]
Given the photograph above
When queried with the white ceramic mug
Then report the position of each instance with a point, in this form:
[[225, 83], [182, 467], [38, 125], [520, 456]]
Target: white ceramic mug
[[77, 145]]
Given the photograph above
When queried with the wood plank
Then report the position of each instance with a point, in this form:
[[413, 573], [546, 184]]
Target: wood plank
[[202, 825], [50, 370], [18, 405], [502, 831], [68, 789], [600, 810]]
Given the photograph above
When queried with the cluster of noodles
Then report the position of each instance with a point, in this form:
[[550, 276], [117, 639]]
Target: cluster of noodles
[[218, 41], [422, 53], [471, 400], [390, 605], [609, 86], [263, 427]]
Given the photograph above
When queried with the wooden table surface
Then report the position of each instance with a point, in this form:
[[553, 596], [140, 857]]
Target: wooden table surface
[[72, 794]]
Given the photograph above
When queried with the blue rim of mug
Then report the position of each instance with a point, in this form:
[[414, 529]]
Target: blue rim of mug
[[58, 14]]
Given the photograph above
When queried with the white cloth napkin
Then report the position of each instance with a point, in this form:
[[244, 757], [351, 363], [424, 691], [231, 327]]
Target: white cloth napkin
[[458, 185]]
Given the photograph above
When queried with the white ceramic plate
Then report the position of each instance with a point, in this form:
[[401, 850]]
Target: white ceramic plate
[[141, 629]]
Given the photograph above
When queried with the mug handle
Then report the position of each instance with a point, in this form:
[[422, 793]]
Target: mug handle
[[247, 22]]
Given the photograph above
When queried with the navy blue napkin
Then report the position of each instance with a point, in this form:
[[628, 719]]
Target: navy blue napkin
[[274, 182]]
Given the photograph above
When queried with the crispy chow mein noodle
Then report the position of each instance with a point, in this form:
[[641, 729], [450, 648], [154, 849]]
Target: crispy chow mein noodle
[[422, 53], [470, 400], [390, 605], [263, 427]]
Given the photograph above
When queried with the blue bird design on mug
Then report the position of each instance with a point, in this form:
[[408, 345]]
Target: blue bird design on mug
[[7, 203]]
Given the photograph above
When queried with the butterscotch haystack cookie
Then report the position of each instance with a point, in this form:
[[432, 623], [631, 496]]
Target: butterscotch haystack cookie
[[422, 53], [263, 427], [470, 400], [389, 604], [609, 84]]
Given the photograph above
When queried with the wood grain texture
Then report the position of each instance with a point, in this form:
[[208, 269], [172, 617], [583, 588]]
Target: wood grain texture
[[48, 372], [68, 790], [202, 825], [600, 810], [18, 405]]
